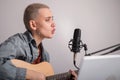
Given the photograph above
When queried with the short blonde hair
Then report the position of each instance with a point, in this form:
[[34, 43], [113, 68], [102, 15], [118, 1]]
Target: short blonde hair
[[31, 12]]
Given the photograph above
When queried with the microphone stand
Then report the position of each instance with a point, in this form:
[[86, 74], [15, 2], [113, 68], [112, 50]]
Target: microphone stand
[[118, 48], [75, 53]]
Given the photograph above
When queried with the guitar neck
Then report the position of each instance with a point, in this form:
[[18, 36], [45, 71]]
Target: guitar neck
[[62, 76]]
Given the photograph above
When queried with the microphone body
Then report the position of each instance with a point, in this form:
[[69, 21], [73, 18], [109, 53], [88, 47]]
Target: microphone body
[[76, 41]]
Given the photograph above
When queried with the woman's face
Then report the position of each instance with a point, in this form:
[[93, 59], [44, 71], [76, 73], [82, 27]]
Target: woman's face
[[45, 26]]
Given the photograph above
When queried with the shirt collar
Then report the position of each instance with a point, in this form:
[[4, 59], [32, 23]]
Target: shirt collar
[[29, 37]]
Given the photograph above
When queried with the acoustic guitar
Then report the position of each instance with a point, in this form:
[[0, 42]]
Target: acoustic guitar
[[43, 67]]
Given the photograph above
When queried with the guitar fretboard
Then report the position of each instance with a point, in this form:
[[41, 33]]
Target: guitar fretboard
[[63, 76]]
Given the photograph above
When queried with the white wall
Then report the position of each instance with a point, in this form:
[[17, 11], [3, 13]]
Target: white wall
[[99, 21]]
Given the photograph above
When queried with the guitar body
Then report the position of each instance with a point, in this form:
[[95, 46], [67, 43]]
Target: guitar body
[[43, 67]]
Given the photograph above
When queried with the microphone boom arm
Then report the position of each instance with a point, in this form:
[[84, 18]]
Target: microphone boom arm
[[105, 50]]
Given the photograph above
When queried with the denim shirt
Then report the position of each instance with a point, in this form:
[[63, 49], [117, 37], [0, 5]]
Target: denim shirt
[[20, 46]]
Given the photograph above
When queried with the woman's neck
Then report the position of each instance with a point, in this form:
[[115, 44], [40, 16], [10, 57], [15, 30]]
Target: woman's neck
[[38, 40]]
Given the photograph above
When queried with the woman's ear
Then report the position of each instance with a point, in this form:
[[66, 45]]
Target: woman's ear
[[32, 24]]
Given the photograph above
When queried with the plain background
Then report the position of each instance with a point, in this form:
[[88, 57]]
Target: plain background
[[99, 21]]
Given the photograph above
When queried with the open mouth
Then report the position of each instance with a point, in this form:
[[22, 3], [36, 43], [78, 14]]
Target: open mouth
[[53, 31]]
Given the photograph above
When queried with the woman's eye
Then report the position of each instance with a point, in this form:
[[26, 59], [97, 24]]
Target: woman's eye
[[47, 20]]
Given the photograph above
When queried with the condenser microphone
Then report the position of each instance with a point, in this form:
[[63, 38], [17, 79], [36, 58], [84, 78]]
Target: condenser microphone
[[75, 45], [76, 40]]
